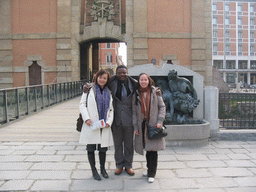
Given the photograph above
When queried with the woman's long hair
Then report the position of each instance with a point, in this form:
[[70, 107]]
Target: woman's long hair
[[100, 73], [151, 84]]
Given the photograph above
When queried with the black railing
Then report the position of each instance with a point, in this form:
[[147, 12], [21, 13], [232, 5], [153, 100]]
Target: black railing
[[237, 110], [21, 101]]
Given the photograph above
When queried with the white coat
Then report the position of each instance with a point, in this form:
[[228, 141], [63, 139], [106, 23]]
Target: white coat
[[88, 136]]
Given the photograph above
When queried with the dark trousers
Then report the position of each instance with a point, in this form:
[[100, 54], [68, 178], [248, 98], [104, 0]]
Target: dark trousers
[[151, 157], [123, 141]]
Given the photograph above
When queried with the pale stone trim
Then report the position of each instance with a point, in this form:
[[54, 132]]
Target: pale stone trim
[[63, 45], [5, 47], [64, 57], [6, 80], [169, 57], [140, 56], [21, 36], [6, 58], [101, 29], [6, 69]]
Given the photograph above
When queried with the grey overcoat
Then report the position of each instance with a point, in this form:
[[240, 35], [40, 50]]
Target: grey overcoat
[[157, 115]]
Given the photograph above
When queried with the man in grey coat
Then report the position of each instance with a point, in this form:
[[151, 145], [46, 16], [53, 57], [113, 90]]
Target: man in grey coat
[[123, 87]]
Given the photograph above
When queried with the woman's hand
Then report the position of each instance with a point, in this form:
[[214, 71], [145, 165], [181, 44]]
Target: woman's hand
[[88, 122], [158, 125], [137, 132], [107, 125]]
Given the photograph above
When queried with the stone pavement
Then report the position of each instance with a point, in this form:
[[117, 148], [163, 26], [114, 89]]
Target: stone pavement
[[41, 153]]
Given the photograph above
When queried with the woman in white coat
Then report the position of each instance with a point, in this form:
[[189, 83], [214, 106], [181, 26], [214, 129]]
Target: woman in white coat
[[95, 106]]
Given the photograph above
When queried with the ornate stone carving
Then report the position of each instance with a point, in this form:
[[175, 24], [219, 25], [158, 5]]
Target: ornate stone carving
[[102, 9]]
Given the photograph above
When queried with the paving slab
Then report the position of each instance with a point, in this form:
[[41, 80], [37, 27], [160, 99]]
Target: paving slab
[[48, 185], [16, 185]]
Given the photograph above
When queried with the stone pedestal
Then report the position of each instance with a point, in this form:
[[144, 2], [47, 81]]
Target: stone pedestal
[[188, 134], [211, 107]]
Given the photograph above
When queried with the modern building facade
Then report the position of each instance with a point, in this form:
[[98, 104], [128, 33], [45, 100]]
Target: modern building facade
[[58, 40], [234, 40]]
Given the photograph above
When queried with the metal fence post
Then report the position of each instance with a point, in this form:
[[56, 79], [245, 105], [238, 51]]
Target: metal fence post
[[6, 107], [35, 93], [18, 103], [27, 97]]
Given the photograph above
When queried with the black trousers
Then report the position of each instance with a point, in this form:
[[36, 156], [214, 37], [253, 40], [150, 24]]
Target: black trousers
[[151, 157]]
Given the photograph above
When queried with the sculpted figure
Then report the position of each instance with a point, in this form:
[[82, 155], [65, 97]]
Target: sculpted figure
[[167, 97], [184, 96]]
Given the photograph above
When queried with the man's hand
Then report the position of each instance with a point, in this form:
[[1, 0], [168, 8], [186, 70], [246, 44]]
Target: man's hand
[[137, 132], [86, 88], [159, 91], [158, 125]]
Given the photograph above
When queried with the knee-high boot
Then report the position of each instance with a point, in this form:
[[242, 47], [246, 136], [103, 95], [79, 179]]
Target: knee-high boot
[[91, 158], [102, 156]]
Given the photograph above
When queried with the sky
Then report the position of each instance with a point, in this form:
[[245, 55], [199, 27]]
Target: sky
[[123, 51]]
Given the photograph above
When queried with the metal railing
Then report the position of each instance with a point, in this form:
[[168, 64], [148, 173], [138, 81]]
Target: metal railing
[[21, 101], [237, 110]]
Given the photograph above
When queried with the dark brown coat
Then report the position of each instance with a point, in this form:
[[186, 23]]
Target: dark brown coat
[[157, 115]]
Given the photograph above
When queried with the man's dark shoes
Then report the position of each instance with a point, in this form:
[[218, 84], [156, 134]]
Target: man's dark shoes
[[118, 171], [129, 171]]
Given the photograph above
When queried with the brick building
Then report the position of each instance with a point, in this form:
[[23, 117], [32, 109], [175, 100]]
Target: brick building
[[234, 40], [48, 41]]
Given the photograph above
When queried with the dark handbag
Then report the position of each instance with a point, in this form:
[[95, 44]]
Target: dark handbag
[[79, 123], [155, 133], [80, 120]]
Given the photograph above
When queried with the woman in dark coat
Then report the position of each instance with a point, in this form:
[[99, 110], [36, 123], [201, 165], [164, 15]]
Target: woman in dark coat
[[148, 106]]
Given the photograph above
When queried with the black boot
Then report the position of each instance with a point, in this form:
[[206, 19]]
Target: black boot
[[91, 158], [103, 172]]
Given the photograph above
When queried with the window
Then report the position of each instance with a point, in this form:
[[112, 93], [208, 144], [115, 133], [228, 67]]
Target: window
[[252, 48], [227, 34], [230, 64], [214, 7], [252, 34], [227, 48], [240, 21], [109, 58], [108, 45], [214, 34], [242, 64], [215, 47], [226, 21], [214, 20], [253, 64], [242, 77], [252, 21], [240, 34], [230, 78], [227, 7], [240, 48], [239, 8], [218, 64], [251, 8]]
